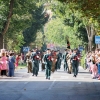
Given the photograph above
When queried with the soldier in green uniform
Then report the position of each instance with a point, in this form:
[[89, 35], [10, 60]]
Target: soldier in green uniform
[[75, 61], [35, 60], [65, 60], [48, 60], [58, 63]]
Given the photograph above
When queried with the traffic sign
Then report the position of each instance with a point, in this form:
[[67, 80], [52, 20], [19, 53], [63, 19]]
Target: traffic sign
[[25, 49], [81, 48], [97, 39]]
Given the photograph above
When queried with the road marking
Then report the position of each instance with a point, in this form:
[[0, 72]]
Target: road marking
[[51, 85]]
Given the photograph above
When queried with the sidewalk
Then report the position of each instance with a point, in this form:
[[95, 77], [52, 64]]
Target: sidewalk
[[21, 73]]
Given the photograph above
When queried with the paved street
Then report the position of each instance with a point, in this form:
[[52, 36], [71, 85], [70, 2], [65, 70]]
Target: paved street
[[62, 86]]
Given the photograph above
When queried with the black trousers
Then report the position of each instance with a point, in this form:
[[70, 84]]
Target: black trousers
[[48, 71], [75, 67], [65, 65], [35, 68], [3, 72]]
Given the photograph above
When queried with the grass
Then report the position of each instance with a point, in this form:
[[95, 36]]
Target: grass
[[21, 66]]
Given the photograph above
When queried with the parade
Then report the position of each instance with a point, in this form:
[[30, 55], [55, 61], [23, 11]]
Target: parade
[[49, 49], [50, 61]]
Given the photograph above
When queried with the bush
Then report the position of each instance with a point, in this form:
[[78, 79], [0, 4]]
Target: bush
[[83, 59]]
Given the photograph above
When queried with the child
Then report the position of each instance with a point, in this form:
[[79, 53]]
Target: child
[[17, 61], [98, 66], [0, 65], [94, 70]]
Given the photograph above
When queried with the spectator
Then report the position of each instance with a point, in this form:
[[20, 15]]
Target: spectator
[[11, 65], [17, 61], [4, 63]]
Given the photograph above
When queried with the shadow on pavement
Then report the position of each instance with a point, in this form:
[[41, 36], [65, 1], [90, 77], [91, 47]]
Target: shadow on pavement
[[49, 90]]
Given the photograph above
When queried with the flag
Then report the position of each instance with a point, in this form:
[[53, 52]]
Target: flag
[[68, 43]]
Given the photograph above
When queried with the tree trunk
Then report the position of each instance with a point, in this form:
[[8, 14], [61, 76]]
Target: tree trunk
[[90, 33], [89, 45], [1, 41], [7, 22]]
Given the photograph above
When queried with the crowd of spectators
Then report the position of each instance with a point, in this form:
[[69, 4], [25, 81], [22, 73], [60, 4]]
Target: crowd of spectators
[[93, 63], [9, 61]]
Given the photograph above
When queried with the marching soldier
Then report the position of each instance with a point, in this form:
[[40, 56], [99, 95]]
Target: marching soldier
[[54, 60], [43, 62], [65, 61], [58, 63], [60, 57], [28, 61], [75, 62], [69, 62], [79, 55], [48, 59], [35, 60]]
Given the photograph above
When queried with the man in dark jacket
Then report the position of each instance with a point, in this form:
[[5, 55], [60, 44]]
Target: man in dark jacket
[[48, 60], [58, 63], [75, 62], [35, 60]]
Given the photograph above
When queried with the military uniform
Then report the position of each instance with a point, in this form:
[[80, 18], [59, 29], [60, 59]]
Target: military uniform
[[75, 63], [29, 63], [54, 60], [69, 63], [48, 60], [58, 63], [65, 61], [43, 62], [35, 61], [60, 58]]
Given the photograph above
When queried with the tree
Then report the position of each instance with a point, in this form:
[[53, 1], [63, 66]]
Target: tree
[[16, 17], [39, 19], [57, 31], [7, 18], [88, 10]]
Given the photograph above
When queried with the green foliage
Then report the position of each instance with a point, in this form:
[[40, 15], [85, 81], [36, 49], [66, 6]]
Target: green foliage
[[28, 18], [38, 21], [15, 42], [69, 19], [54, 31], [70, 24], [83, 59], [89, 9], [57, 31], [3, 12]]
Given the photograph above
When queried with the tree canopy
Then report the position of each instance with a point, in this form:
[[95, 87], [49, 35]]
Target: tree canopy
[[19, 16], [23, 20]]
